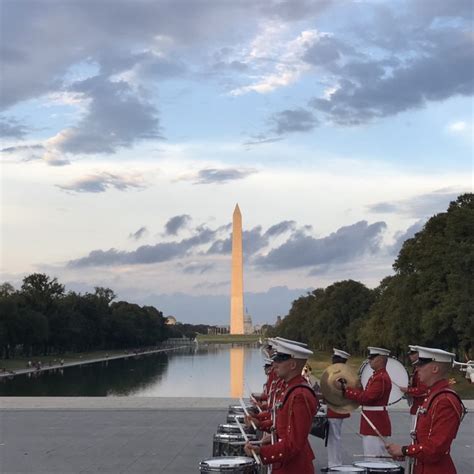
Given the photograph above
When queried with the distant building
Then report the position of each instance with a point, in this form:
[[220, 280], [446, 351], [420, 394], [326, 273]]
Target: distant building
[[278, 322], [248, 327], [171, 321]]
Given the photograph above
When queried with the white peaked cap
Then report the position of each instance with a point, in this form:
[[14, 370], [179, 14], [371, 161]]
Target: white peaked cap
[[378, 351], [436, 355], [293, 350], [413, 348], [282, 339], [342, 354]]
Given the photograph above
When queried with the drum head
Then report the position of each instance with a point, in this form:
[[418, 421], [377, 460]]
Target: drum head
[[347, 468], [398, 376], [226, 462], [378, 466]]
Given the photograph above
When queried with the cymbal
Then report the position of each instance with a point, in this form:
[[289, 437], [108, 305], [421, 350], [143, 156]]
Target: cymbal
[[349, 407], [330, 388]]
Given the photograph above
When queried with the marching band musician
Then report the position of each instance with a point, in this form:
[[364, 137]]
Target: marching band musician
[[291, 452], [417, 390], [374, 400], [438, 418], [334, 443]]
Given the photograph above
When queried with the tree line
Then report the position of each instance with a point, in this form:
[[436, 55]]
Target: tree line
[[428, 301], [41, 318]]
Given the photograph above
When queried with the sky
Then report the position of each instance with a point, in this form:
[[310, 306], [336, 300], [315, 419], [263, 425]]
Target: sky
[[131, 129]]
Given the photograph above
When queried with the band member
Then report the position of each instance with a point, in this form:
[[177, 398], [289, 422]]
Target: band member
[[416, 390], [438, 419], [334, 443], [290, 452], [374, 400]]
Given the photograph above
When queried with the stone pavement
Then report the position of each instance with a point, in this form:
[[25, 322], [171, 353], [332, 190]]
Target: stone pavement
[[131, 435]]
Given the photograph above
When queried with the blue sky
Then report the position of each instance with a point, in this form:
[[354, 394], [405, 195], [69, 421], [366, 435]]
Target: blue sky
[[130, 131]]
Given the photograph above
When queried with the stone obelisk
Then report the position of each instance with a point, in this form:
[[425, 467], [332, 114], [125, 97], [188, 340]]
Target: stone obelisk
[[237, 283]]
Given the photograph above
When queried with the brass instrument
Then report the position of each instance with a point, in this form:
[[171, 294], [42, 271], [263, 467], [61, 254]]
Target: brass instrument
[[331, 390]]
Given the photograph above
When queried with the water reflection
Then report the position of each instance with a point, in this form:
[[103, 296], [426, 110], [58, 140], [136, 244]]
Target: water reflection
[[203, 371], [236, 372], [120, 377]]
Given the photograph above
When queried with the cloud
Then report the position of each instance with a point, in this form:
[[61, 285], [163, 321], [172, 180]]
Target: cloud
[[432, 66], [296, 120], [116, 117], [347, 243], [400, 237], [422, 206], [261, 139], [284, 55], [221, 176], [138, 234], [101, 182], [280, 228], [144, 35], [176, 223], [22, 148], [12, 128], [146, 254], [199, 268]]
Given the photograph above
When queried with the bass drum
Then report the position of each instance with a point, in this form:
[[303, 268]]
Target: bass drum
[[397, 373]]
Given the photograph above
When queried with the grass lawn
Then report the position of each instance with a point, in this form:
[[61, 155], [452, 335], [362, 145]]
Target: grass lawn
[[321, 360]]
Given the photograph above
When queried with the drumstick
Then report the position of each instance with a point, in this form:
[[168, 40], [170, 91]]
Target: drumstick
[[252, 397], [256, 403], [242, 404], [244, 434], [377, 432], [241, 443]]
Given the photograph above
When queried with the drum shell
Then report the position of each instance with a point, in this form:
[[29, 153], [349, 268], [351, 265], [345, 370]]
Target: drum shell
[[377, 467], [229, 464], [233, 428], [221, 445], [348, 468], [238, 409], [231, 417]]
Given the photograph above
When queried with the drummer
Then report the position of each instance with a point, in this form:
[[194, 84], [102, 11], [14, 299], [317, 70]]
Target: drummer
[[374, 400], [334, 443], [416, 390], [438, 417], [291, 453]]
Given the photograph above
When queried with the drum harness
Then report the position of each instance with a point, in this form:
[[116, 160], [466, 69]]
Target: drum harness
[[423, 411]]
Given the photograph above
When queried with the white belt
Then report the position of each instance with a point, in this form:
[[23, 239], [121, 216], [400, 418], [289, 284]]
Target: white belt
[[374, 408]]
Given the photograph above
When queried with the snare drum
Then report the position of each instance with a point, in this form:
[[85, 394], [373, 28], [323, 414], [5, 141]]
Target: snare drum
[[234, 464], [223, 444], [232, 416], [347, 468], [236, 409], [233, 428], [380, 466]]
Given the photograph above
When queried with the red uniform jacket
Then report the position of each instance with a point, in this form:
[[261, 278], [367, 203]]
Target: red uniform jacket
[[292, 454], [375, 394], [417, 390], [265, 417], [436, 427]]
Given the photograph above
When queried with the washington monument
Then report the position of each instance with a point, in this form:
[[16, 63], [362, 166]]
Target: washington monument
[[237, 283]]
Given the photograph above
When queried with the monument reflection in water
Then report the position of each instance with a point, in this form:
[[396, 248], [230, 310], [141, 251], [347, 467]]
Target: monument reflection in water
[[237, 363]]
